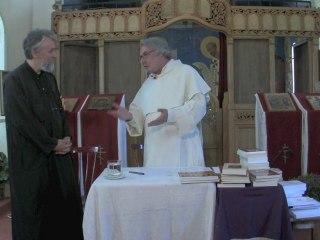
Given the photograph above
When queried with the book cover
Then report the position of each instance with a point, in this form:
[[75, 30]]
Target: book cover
[[314, 101], [198, 176], [279, 102], [101, 103], [263, 174], [234, 168]]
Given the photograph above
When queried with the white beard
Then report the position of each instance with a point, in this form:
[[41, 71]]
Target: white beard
[[47, 66]]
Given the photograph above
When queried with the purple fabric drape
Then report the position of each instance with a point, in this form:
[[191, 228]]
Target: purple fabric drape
[[252, 212]]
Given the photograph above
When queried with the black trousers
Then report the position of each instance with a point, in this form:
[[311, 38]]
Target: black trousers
[[62, 217]]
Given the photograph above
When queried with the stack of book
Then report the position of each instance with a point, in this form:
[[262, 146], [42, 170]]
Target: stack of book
[[233, 175], [300, 206], [293, 188], [264, 177], [303, 207], [253, 158], [198, 176], [277, 170]]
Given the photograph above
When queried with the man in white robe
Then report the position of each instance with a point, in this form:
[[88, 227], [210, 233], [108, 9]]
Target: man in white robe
[[167, 109]]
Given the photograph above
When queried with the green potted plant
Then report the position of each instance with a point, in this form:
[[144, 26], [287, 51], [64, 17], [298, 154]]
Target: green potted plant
[[4, 173], [313, 185]]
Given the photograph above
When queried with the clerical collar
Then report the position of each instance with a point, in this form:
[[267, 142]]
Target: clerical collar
[[153, 75], [32, 70], [166, 68]]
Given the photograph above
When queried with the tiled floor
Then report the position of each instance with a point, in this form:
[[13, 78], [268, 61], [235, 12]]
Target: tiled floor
[[5, 220]]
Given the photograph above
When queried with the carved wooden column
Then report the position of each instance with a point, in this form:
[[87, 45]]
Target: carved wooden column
[[101, 66], [58, 62], [272, 67], [315, 61]]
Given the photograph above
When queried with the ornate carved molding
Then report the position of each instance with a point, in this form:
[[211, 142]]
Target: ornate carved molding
[[271, 21], [111, 24], [161, 13], [274, 33], [245, 115], [108, 36], [154, 15], [219, 13]]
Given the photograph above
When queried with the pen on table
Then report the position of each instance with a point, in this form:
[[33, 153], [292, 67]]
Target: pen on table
[[134, 172]]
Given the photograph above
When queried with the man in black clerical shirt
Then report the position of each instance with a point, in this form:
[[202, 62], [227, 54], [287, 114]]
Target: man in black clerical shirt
[[45, 196]]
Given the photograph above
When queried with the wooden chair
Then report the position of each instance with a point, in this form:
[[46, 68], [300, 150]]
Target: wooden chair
[[87, 166]]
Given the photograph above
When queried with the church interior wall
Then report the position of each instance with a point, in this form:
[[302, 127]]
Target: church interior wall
[[19, 17]]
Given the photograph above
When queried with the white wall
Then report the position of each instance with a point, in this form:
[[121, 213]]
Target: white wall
[[19, 17], [43, 8], [315, 3]]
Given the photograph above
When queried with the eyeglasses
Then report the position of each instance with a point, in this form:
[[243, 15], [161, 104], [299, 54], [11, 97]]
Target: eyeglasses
[[145, 54]]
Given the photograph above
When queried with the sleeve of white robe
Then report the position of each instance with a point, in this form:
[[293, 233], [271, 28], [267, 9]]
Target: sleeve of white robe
[[189, 115], [185, 117], [135, 126]]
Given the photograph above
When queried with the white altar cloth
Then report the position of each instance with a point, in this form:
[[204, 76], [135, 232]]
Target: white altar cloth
[[154, 206]]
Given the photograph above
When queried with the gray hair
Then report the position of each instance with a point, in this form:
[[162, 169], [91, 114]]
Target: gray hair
[[34, 39], [158, 44]]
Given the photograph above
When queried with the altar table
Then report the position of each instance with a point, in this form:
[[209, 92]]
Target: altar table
[[153, 206]]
